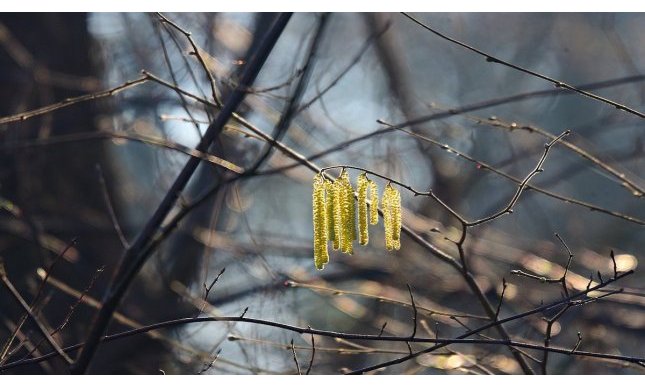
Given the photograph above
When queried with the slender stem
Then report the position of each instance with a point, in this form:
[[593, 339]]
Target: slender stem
[[41, 327]]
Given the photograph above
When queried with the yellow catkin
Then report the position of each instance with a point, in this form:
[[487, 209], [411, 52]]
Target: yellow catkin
[[321, 255], [337, 188], [386, 203], [348, 214], [329, 214], [352, 212], [396, 219], [362, 186], [374, 202]]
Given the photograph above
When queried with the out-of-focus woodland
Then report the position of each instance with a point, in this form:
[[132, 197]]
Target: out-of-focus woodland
[[100, 113]]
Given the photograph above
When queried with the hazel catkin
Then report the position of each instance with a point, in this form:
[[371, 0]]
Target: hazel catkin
[[392, 217], [373, 202], [348, 214], [329, 214], [386, 203], [321, 255], [362, 184], [335, 209], [396, 220], [337, 192]]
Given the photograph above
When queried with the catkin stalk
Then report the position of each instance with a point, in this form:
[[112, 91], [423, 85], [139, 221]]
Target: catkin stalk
[[321, 255], [362, 186]]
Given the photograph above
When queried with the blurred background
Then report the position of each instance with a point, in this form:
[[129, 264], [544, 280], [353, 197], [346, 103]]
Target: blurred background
[[85, 178]]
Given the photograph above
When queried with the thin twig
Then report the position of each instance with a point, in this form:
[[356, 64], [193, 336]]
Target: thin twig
[[70, 313], [382, 329], [613, 260], [337, 291], [128, 136], [291, 109], [110, 208], [295, 358], [414, 313], [41, 287], [351, 64], [197, 53], [41, 327], [501, 298], [210, 364], [487, 326], [313, 353], [207, 289], [71, 101], [538, 169], [347, 336], [171, 71], [556, 83], [547, 336], [575, 347], [566, 269]]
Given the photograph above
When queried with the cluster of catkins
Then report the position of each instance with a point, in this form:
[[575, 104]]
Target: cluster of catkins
[[335, 210]]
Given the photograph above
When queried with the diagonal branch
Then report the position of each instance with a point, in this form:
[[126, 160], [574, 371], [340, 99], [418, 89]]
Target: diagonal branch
[[133, 258], [559, 84], [41, 327]]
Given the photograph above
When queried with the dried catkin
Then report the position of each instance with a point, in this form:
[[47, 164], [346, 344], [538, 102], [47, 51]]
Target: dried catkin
[[361, 186], [348, 214], [321, 255], [373, 203], [329, 214]]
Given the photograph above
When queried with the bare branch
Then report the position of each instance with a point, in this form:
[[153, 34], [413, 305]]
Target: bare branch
[[556, 83]]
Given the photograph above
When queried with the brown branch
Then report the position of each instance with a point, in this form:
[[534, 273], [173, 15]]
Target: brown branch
[[41, 327], [414, 313], [134, 257], [71, 101], [295, 358], [556, 83], [633, 187], [128, 136], [308, 161], [110, 207], [538, 169], [39, 292], [501, 298], [197, 53], [70, 313], [547, 336], [351, 64], [489, 325], [349, 336], [313, 353]]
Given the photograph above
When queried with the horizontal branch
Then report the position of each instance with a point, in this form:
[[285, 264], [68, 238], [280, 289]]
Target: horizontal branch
[[71, 101], [349, 336], [128, 136]]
